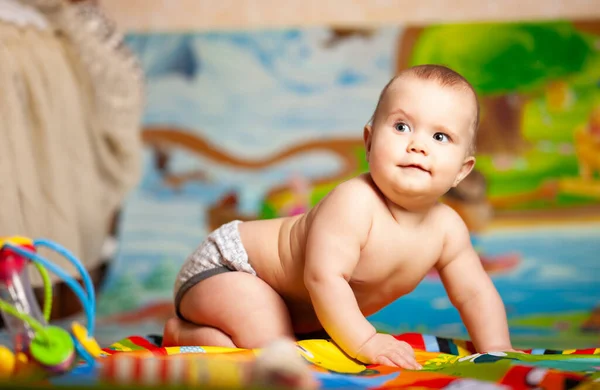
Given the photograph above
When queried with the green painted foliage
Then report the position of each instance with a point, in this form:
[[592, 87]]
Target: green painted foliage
[[501, 57]]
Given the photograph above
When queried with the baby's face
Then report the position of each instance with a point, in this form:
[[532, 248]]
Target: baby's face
[[418, 145]]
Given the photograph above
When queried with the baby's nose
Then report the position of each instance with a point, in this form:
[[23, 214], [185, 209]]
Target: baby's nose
[[417, 146]]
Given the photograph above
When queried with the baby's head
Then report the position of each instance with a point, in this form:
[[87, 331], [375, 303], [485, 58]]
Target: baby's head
[[444, 77], [420, 140]]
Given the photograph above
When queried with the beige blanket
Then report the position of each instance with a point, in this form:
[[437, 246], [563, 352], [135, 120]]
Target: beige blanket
[[70, 106]]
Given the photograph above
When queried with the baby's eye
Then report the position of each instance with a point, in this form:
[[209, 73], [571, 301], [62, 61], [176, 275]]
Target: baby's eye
[[402, 127], [441, 137]]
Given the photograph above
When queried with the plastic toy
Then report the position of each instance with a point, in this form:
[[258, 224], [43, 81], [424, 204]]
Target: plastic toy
[[37, 345]]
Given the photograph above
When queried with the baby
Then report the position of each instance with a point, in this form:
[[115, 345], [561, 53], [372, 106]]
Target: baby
[[370, 241]]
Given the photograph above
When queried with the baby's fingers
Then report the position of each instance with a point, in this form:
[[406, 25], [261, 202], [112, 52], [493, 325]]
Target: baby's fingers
[[384, 361], [408, 361], [399, 360], [411, 364]]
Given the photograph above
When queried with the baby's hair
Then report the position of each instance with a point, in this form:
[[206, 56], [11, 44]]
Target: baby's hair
[[445, 77]]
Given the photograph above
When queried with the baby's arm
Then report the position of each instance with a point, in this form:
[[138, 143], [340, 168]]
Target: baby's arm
[[336, 235], [471, 290]]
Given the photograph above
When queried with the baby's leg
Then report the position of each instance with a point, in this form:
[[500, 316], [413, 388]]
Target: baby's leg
[[180, 333], [230, 309]]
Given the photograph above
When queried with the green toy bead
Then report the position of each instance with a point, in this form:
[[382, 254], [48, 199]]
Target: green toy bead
[[54, 348]]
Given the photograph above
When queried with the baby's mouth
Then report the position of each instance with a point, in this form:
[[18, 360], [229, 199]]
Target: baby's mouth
[[416, 167]]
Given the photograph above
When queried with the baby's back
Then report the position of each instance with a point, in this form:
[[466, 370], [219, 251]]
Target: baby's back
[[275, 250]]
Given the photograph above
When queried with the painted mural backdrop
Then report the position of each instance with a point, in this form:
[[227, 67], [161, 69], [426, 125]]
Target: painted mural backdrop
[[259, 124]]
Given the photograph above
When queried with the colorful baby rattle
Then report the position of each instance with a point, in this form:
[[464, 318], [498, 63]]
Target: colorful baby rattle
[[35, 341]]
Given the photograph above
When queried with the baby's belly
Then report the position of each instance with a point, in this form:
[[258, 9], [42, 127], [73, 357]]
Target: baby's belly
[[304, 319], [372, 297], [302, 314]]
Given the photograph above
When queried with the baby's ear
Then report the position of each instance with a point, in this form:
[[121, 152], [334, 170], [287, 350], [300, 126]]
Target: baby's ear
[[367, 133], [466, 168]]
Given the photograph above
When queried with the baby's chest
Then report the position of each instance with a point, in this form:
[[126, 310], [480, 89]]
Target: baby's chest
[[402, 261]]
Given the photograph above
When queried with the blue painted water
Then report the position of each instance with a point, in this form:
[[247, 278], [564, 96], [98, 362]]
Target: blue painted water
[[559, 272]]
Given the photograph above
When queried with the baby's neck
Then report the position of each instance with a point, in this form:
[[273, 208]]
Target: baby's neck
[[411, 213]]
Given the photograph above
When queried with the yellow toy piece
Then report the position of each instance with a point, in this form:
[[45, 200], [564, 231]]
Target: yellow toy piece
[[328, 356], [90, 344], [7, 362], [16, 241], [325, 354]]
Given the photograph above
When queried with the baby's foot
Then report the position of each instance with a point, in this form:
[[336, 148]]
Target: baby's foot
[[171, 333], [280, 365]]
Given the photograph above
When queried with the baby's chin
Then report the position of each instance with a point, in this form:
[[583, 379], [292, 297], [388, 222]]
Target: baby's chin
[[415, 193], [408, 189], [411, 196], [412, 185]]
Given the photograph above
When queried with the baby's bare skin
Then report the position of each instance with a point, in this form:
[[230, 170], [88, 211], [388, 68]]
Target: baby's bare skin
[[370, 241], [393, 258]]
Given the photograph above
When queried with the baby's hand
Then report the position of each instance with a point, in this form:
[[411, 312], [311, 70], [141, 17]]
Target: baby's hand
[[386, 350], [515, 350]]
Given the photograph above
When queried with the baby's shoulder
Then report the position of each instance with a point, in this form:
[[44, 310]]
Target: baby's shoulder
[[352, 199], [443, 210], [348, 204], [446, 217], [359, 187]]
